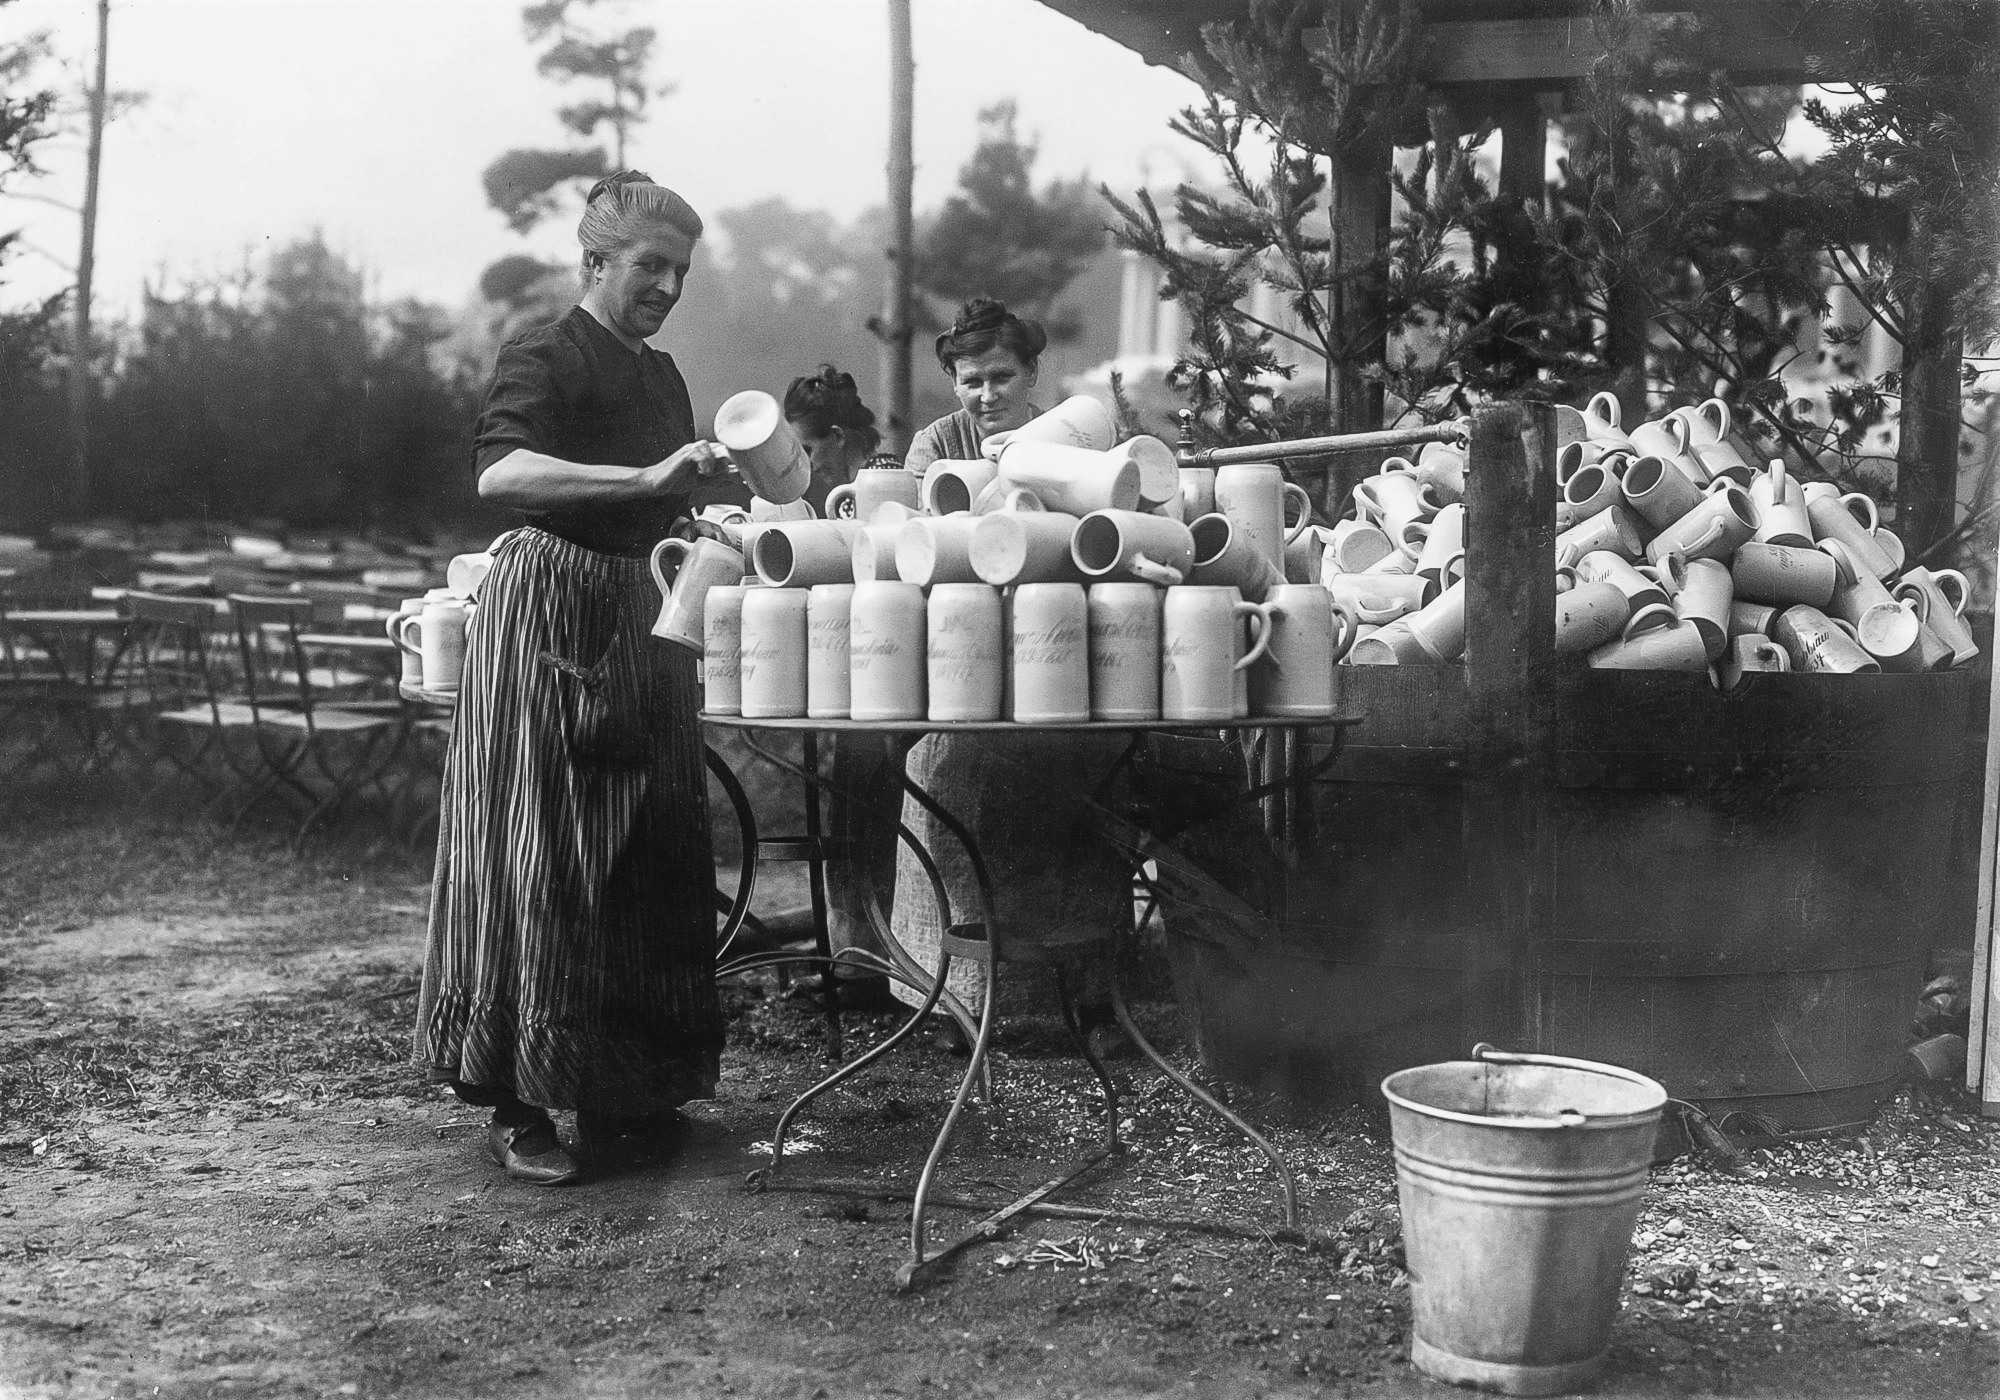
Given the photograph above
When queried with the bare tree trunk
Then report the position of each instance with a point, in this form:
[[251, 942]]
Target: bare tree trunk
[[79, 366], [1927, 445], [894, 330], [1359, 219]]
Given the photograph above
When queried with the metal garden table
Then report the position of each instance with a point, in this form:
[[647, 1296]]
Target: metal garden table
[[976, 936]]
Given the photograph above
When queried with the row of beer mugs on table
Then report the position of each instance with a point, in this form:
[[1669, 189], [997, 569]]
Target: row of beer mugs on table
[[1035, 653], [1675, 553]]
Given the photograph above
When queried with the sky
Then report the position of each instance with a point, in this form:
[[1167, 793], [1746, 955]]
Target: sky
[[372, 120]]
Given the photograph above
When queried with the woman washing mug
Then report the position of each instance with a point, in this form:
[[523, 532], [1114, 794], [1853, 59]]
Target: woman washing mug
[[570, 958]]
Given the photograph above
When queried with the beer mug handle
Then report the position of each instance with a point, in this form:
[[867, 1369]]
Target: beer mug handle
[[394, 627], [1843, 558], [1414, 535], [665, 585], [1023, 501], [1874, 520], [1260, 631], [1711, 532], [1294, 491], [1616, 463], [1717, 414], [1605, 406], [1677, 429], [1919, 600], [1346, 627], [1853, 632], [1451, 571], [841, 495], [1566, 578], [1965, 589], [401, 633], [993, 446], [1147, 571], [1367, 507]]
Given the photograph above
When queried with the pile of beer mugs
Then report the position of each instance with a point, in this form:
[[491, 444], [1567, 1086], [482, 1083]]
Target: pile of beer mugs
[[1674, 552], [1063, 577]]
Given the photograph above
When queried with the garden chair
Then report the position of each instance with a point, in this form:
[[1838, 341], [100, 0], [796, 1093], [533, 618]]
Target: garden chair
[[315, 749], [63, 687], [194, 718]]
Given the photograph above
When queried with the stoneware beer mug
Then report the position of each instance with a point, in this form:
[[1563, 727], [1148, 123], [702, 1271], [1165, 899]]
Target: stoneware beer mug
[[1708, 440], [1857, 590], [873, 549], [1616, 530], [1706, 592], [829, 611], [1078, 421], [1439, 625], [699, 565], [885, 652], [438, 635], [1714, 529], [1782, 517], [1892, 633], [1941, 596], [1072, 479], [1391, 498], [1123, 544], [1224, 556], [768, 454], [1600, 422], [1783, 574], [1641, 590], [1023, 546], [933, 549], [1255, 495], [1657, 492], [1197, 492], [1441, 466], [772, 668], [1853, 520], [1050, 647], [1305, 555], [1380, 598], [964, 652], [1677, 647], [411, 652], [1124, 645], [1310, 633], [1595, 488], [1588, 616], [1751, 653], [1443, 542], [1816, 642], [1201, 653], [801, 553], [722, 650], [1667, 439], [871, 489], [950, 487], [1751, 619], [1392, 645], [1355, 545]]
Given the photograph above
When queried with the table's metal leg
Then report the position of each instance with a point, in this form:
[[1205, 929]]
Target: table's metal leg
[[1202, 1096], [816, 882]]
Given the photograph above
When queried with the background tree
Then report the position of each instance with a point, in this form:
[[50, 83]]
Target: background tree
[[999, 236], [27, 339], [527, 186]]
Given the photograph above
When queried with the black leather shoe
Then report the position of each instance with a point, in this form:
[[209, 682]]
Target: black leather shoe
[[532, 1152]]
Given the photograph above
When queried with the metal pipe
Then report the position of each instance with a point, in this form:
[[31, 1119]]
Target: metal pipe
[[1457, 431]]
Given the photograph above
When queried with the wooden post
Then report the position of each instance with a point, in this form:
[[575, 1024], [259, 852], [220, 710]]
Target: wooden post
[[894, 328], [1982, 1039], [1509, 832], [1359, 219]]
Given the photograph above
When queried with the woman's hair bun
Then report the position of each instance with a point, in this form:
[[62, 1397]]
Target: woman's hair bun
[[828, 398], [984, 324], [612, 182]]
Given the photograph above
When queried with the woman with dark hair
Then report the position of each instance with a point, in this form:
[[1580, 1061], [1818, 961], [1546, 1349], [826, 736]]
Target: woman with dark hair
[[993, 357], [571, 947], [836, 428], [1025, 797]]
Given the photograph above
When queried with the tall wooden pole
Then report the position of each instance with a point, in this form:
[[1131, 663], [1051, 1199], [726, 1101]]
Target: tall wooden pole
[[894, 328], [79, 367]]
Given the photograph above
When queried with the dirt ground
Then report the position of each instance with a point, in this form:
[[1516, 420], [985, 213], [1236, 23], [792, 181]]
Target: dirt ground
[[218, 1177]]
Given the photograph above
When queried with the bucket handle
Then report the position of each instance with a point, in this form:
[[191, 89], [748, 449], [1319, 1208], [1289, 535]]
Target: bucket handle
[[1487, 1053]]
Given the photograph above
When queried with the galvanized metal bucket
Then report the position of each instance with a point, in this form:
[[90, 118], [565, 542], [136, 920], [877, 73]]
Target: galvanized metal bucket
[[1520, 1178]]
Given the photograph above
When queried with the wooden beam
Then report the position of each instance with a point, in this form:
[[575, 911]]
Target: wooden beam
[[1510, 758]]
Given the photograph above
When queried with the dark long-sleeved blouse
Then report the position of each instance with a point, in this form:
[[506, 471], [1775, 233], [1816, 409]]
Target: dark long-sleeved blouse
[[573, 391]]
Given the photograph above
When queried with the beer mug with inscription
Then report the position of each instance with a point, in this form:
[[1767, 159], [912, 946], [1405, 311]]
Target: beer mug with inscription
[[963, 652], [1051, 654], [1124, 651]]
